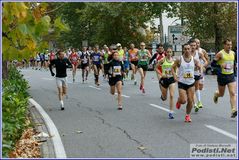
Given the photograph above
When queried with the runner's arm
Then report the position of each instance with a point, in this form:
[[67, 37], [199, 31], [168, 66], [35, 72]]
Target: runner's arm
[[50, 67], [204, 59], [149, 54], [153, 57], [157, 67], [217, 57], [174, 67], [69, 63], [122, 69], [198, 66]]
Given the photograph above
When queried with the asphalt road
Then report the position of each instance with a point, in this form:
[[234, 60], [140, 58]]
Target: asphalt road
[[142, 129]]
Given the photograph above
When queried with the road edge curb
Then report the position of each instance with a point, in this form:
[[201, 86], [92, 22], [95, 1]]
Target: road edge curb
[[56, 139]]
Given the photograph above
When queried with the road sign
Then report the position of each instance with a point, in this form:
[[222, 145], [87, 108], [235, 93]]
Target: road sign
[[175, 35]]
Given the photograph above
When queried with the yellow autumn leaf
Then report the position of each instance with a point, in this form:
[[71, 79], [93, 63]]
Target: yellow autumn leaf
[[22, 8], [31, 44], [5, 44]]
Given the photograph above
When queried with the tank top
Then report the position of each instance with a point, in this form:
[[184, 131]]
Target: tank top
[[228, 61], [196, 57], [133, 54], [167, 68], [74, 57], [186, 71], [121, 54], [106, 56], [143, 57]]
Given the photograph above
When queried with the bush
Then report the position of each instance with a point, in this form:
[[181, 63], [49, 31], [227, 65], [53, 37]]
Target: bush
[[14, 109]]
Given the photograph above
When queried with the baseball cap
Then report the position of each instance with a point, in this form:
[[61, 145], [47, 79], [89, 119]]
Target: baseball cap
[[118, 45]]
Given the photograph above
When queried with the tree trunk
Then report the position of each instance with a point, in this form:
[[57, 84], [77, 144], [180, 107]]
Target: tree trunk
[[161, 28], [218, 34], [4, 70]]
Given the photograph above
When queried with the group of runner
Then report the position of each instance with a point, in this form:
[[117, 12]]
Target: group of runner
[[187, 71]]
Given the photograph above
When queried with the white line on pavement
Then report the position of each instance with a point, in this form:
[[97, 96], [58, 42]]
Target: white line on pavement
[[123, 95], [50, 79], [95, 87], [56, 139], [159, 107], [222, 131]]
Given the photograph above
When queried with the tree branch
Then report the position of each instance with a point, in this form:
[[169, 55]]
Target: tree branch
[[53, 9]]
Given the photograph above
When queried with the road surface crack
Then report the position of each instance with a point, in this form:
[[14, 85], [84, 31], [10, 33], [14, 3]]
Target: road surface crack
[[122, 130], [138, 142], [127, 135], [181, 137]]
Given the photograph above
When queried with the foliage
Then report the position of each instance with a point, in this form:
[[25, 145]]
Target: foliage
[[109, 22], [216, 21], [23, 29], [14, 109]]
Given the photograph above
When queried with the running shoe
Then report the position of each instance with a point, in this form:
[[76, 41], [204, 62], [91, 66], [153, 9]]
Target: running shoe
[[215, 98], [234, 114], [120, 107], [143, 90], [196, 108], [141, 87], [187, 118], [62, 107], [163, 99], [199, 105], [135, 82], [73, 79], [170, 116], [178, 105]]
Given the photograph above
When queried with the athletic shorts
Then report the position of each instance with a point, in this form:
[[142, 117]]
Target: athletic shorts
[[202, 79], [197, 78], [166, 82], [106, 68], [114, 80], [134, 63], [83, 66], [184, 86], [61, 82], [74, 63], [144, 67], [98, 66], [126, 64], [224, 79]]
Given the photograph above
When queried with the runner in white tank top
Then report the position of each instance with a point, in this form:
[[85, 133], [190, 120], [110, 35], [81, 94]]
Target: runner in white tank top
[[197, 74], [204, 63], [185, 79]]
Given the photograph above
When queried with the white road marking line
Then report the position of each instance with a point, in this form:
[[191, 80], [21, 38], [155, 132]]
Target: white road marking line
[[50, 79], [56, 139], [123, 95], [222, 131], [95, 87], [159, 107]]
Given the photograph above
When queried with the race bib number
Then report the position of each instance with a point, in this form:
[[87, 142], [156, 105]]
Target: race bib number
[[228, 67], [117, 70], [168, 72], [74, 58], [188, 75], [96, 58], [144, 58], [133, 56]]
